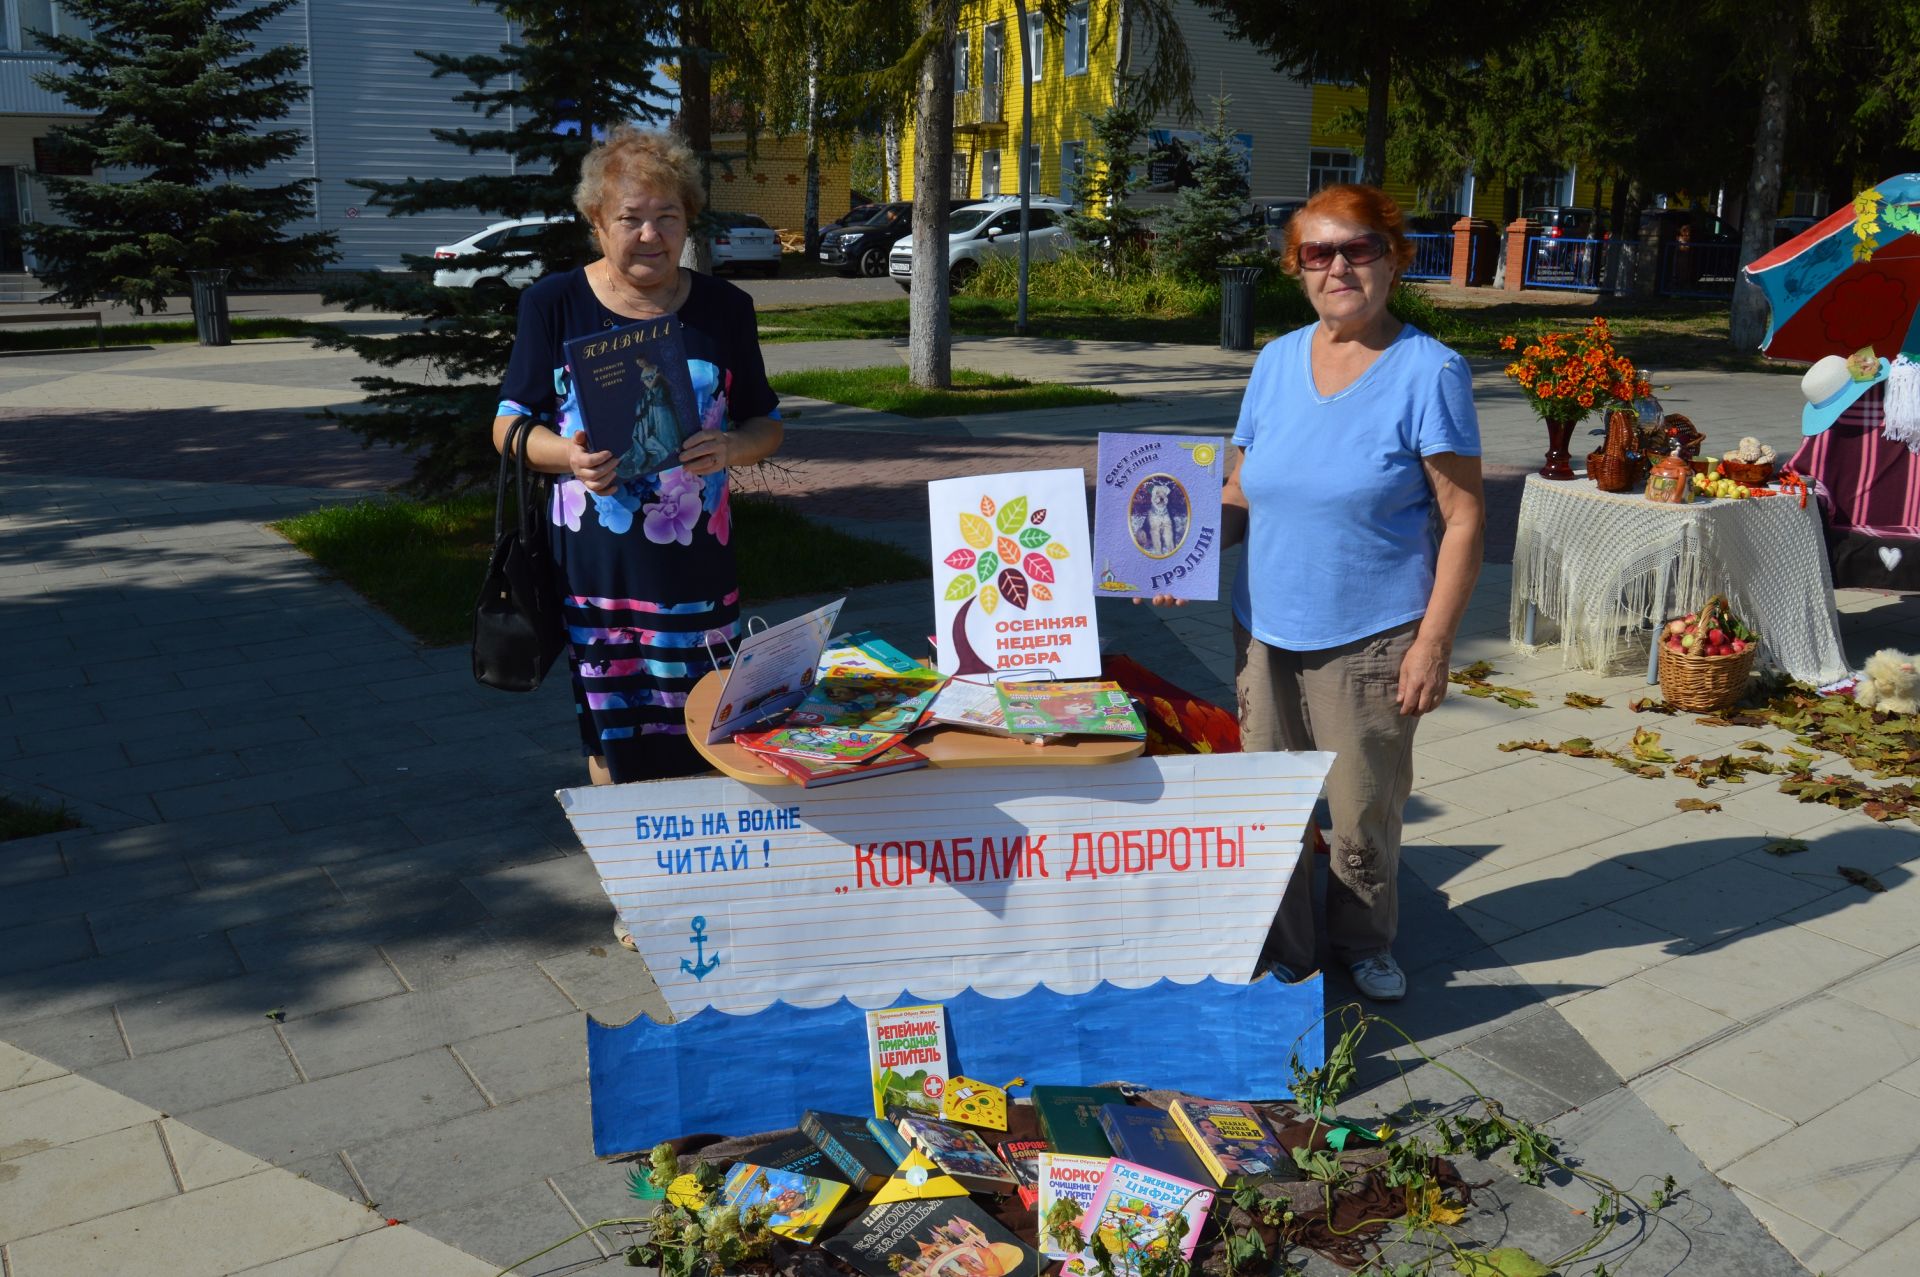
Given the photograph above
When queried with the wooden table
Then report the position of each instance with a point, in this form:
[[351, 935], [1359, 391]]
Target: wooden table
[[943, 746]]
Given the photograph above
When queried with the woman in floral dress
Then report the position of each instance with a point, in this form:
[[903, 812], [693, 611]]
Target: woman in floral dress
[[646, 560]]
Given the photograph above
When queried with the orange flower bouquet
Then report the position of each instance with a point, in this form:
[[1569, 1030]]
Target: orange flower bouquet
[[1567, 376]]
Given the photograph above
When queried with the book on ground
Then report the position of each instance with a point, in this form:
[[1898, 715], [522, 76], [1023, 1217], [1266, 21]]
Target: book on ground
[[1229, 1137], [1023, 1159], [1130, 1210], [1150, 1137], [800, 1155], [936, 1237], [811, 774], [1074, 1179], [635, 394], [848, 1144], [1070, 1118], [1089, 707], [960, 1153], [801, 1203]]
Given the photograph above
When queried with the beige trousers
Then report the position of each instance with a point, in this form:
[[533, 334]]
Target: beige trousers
[[1343, 699]]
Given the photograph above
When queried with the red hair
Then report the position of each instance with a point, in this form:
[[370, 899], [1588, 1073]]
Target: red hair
[[1367, 206]]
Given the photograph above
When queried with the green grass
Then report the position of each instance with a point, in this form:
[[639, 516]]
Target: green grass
[[29, 818], [421, 562], [886, 389], [147, 332]]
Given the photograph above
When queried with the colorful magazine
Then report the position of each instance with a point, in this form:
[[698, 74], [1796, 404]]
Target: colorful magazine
[[1087, 708], [960, 1153], [890, 702], [801, 1203], [907, 1058], [1156, 516], [812, 775], [1130, 1210], [864, 652], [635, 394], [819, 744]]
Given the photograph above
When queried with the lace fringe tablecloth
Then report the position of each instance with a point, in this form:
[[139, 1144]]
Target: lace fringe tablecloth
[[1602, 564]]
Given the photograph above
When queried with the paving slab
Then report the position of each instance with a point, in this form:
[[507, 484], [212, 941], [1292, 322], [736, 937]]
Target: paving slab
[[1807, 1058], [82, 1180]]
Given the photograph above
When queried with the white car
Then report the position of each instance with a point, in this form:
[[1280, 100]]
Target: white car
[[744, 241], [979, 231], [517, 273]]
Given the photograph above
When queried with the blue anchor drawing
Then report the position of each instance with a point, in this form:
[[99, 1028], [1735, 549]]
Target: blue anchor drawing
[[700, 965]]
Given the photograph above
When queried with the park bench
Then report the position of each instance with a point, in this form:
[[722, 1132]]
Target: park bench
[[63, 316]]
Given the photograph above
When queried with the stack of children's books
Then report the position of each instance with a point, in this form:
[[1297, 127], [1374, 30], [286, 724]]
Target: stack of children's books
[[925, 1185], [866, 697], [1087, 707]]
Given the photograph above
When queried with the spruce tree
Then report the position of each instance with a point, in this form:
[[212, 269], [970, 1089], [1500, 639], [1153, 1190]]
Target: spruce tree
[[579, 68], [1107, 223], [1207, 220], [178, 94]]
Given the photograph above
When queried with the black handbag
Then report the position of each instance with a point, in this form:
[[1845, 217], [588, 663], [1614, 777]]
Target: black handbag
[[518, 628]]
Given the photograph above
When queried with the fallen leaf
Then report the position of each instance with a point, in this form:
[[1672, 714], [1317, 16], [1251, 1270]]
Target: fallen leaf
[[1695, 804], [1646, 747], [1508, 1261], [1645, 770], [1439, 1210], [1861, 878], [277, 1014], [1581, 747], [1758, 747], [1651, 705], [1785, 847], [1474, 673], [1580, 700]]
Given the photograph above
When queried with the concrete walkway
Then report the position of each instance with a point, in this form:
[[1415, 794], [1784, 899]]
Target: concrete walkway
[[326, 914]]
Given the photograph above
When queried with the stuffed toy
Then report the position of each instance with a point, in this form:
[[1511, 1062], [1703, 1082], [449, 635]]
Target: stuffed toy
[[1890, 683]]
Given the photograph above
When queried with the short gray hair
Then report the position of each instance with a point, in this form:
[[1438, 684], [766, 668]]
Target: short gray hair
[[656, 161]]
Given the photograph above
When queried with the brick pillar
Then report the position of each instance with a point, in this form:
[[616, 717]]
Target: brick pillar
[[1475, 241], [1518, 232]]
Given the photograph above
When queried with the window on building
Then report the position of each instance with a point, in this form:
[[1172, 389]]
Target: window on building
[[1070, 159], [1330, 168], [989, 174], [1036, 46], [1032, 179], [1074, 54], [30, 16], [992, 54], [962, 62], [1544, 189]]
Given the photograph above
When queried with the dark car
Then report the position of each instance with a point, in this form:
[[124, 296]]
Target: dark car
[[1559, 221], [1274, 217], [861, 248], [854, 216]]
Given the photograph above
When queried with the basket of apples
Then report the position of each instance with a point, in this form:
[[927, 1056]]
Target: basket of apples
[[1706, 657]]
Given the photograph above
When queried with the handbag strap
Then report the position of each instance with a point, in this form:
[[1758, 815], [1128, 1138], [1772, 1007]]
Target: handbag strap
[[513, 449]]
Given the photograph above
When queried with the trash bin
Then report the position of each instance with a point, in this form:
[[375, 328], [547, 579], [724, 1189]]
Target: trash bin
[[210, 307], [1236, 306]]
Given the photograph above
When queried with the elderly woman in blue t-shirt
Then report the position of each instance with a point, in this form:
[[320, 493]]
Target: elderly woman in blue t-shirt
[[1357, 491]]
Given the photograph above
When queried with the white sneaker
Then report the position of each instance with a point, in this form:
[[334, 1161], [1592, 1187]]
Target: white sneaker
[[1380, 978]]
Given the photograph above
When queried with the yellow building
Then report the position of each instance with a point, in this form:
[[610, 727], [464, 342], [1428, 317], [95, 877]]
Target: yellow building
[[1077, 69], [773, 184]]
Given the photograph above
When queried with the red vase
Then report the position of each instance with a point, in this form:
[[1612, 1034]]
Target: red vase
[[1559, 432]]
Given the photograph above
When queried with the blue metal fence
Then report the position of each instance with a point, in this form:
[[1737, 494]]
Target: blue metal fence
[[1697, 270], [1432, 256], [1558, 262]]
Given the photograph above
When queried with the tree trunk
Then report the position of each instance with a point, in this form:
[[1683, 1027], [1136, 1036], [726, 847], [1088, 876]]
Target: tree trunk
[[812, 222], [696, 112], [1749, 320], [930, 333], [890, 155], [1373, 165]]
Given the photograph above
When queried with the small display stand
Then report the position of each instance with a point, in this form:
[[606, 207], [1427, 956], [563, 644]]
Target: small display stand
[[943, 746]]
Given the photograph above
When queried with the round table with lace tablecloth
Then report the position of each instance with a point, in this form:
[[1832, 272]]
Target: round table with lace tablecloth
[[1603, 565]]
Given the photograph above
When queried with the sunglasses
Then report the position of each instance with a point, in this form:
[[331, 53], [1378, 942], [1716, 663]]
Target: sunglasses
[[1316, 255]]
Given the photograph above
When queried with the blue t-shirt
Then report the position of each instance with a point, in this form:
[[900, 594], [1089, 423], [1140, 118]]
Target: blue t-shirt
[[1342, 531]]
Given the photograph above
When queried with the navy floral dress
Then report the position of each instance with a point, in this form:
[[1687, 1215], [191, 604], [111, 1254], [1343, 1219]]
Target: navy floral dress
[[648, 572]]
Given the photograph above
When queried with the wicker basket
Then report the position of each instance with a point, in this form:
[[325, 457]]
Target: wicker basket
[[1610, 474], [1703, 683], [1754, 474]]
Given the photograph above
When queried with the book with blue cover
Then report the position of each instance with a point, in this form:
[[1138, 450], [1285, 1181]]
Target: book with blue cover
[[1150, 1137], [635, 394]]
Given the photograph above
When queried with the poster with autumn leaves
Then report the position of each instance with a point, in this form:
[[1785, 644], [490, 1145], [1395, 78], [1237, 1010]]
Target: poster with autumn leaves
[[1012, 575]]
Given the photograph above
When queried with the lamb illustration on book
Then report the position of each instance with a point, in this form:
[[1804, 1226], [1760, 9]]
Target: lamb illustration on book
[[656, 426]]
